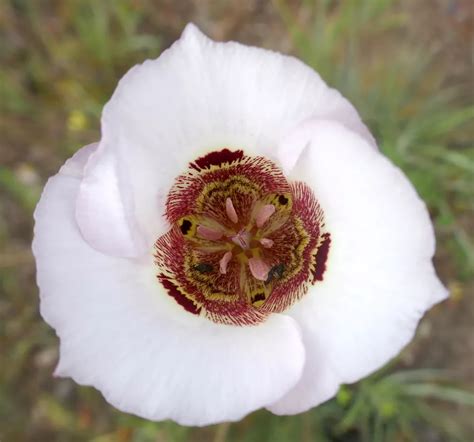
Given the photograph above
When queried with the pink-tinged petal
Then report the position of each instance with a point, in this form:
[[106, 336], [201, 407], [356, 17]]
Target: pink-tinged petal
[[259, 268], [264, 214], [208, 233], [187, 101], [230, 210], [292, 145], [224, 262], [74, 166], [104, 214], [341, 111], [379, 279], [267, 243], [122, 334]]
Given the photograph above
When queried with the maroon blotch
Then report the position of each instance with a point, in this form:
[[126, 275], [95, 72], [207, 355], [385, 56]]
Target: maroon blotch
[[217, 159], [321, 258], [182, 300]]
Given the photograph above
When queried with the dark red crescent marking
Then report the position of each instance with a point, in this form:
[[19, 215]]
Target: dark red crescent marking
[[173, 291], [217, 159], [322, 257]]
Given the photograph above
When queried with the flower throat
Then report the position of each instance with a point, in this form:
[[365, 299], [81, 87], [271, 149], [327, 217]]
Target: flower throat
[[243, 243]]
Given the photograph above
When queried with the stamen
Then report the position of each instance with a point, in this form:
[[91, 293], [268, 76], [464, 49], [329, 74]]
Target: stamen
[[230, 210], [208, 233], [264, 214], [259, 268], [224, 261], [266, 242]]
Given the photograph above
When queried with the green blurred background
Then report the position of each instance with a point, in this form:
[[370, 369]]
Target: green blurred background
[[406, 65]]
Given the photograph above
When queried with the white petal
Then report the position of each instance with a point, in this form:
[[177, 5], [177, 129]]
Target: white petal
[[379, 279], [292, 144], [105, 209], [123, 335], [75, 165], [200, 96]]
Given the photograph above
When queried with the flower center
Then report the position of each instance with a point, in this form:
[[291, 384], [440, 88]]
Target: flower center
[[244, 242], [241, 242]]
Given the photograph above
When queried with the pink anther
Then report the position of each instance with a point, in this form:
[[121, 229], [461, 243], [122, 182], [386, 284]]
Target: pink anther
[[224, 261], [259, 269], [266, 242], [264, 214], [230, 210], [208, 233]]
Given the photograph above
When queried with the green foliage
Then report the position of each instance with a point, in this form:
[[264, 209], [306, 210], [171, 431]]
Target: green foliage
[[60, 63]]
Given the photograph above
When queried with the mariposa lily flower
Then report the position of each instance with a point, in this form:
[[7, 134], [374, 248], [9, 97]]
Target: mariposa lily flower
[[234, 241]]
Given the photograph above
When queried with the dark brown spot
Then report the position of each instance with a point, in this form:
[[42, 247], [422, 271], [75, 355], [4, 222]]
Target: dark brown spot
[[276, 272], [258, 297], [185, 226], [203, 267], [283, 200]]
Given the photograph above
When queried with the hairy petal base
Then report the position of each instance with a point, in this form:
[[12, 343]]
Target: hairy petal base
[[244, 242]]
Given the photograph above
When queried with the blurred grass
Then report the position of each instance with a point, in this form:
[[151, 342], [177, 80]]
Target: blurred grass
[[60, 61]]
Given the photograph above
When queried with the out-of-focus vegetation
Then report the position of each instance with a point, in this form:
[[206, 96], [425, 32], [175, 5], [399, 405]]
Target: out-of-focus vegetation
[[405, 65]]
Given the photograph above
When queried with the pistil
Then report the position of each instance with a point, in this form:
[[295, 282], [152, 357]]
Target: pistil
[[243, 239]]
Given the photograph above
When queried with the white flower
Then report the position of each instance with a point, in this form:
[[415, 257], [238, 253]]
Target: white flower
[[234, 241]]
